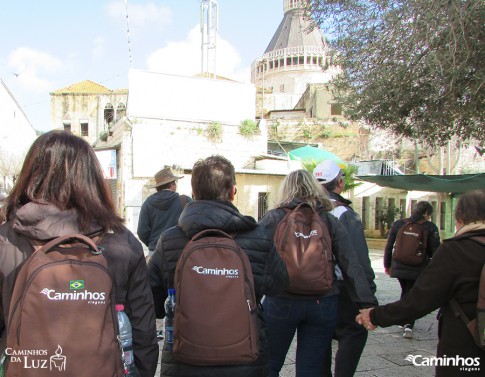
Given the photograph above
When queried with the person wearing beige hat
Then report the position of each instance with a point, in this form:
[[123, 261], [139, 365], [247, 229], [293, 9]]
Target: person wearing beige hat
[[160, 210]]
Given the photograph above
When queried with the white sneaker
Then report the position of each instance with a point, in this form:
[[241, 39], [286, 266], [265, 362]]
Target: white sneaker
[[408, 333]]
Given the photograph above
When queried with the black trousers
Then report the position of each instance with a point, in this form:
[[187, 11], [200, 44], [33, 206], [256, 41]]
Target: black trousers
[[406, 286], [351, 339]]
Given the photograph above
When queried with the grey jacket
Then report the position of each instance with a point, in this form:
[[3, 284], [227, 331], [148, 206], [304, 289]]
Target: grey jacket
[[353, 226], [126, 263]]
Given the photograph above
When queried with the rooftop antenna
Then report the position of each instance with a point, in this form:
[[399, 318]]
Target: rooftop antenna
[[208, 29], [128, 34]]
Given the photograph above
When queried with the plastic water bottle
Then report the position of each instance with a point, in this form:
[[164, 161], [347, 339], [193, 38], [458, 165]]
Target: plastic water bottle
[[169, 319], [126, 340]]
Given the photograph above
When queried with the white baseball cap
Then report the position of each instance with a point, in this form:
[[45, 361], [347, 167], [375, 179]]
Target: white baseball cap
[[326, 171]]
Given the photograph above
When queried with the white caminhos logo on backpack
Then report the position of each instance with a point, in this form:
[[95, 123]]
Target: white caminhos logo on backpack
[[229, 273], [303, 242], [216, 316], [313, 233]]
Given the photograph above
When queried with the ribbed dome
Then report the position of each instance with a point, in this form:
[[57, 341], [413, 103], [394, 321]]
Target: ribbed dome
[[293, 32]]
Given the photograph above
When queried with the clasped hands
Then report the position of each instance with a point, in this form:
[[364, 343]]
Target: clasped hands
[[364, 319]]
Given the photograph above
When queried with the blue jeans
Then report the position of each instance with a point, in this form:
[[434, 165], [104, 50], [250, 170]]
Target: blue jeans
[[314, 322]]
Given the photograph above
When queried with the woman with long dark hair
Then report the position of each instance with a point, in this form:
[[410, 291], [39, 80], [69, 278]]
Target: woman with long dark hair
[[61, 191]]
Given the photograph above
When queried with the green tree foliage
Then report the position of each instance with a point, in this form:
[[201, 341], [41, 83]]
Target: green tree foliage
[[414, 67]]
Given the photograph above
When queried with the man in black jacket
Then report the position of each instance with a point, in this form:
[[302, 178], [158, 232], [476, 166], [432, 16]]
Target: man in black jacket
[[214, 187], [161, 210], [351, 338]]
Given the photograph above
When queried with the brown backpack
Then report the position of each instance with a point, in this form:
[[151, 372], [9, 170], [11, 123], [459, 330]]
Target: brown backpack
[[61, 320], [216, 315], [304, 243], [476, 326], [411, 243]]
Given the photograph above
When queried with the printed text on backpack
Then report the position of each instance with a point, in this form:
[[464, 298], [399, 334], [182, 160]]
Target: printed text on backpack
[[304, 243], [61, 319], [411, 243], [216, 316]]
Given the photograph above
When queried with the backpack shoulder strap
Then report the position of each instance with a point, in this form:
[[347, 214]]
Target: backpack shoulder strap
[[457, 310], [183, 201], [479, 239]]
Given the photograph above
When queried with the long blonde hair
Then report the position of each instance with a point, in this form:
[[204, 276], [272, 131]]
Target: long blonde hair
[[301, 185]]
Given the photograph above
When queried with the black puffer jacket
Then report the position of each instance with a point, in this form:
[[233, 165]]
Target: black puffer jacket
[[126, 263], [403, 271], [354, 276], [270, 274]]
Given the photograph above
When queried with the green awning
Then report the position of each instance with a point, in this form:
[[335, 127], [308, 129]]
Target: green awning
[[432, 183]]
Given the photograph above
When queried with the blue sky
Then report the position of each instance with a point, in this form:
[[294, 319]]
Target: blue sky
[[49, 44]]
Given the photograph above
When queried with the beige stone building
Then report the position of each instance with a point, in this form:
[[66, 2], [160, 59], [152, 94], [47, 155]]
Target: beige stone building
[[87, 109]]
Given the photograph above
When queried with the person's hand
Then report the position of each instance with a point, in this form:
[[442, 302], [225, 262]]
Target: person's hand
[[388, 271], [364, 319]]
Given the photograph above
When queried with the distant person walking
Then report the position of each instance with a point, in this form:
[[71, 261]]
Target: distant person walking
[[160, 210], [453, 273], [312, 316], [406, 273], [351, 337]]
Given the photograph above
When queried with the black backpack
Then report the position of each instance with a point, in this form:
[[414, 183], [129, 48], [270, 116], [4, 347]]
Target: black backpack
[[476, 326], [216, 315], [303, 242], [411, 243]]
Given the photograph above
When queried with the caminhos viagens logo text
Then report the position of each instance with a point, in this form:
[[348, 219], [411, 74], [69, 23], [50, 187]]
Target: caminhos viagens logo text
[[312, 233], [411, 234], [226, 272], [75, 294], [466, 364]]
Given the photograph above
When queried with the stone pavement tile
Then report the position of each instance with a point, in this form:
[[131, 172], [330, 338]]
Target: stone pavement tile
[[374, 362], [407, 371]]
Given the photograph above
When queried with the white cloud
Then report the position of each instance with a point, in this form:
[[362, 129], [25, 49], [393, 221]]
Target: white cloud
[[98, 47], [184, 58], [30, 65], [143, 16]]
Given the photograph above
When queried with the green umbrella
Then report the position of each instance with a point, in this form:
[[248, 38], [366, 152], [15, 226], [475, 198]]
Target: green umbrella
[[309, 153]]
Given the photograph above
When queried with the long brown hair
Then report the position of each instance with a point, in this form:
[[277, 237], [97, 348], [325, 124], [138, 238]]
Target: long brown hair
[[62, 169]]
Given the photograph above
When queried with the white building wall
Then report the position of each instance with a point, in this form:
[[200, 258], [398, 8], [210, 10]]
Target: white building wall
[[16, 132]]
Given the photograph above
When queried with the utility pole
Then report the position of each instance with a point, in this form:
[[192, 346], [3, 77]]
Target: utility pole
[[208, 29]]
